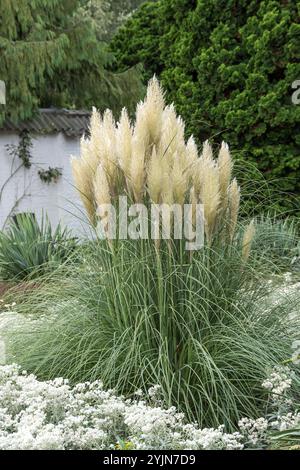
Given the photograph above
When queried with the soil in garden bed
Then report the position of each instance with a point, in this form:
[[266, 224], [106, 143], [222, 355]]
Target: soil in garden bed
[[9, 288], [4, 287]]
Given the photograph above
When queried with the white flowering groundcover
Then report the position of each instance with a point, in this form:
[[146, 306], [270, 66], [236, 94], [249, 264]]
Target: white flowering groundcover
[[55, 415]]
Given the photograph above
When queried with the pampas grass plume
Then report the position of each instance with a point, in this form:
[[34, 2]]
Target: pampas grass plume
[[124, 142], [247, 240], [150, 159], [234, 205], [101, 187], [225, 169], [210, 195], [82, 180], [155, 177]]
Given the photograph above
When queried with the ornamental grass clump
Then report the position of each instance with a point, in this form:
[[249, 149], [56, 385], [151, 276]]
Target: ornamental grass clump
[[137, 313]]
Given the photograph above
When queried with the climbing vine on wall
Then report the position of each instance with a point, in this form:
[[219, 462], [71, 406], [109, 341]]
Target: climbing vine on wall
[[23, 151], [50, 175]]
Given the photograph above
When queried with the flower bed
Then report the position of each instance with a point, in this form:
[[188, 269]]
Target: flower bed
[[55, 415]]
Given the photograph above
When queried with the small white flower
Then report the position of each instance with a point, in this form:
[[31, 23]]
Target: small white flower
[[279, 384]]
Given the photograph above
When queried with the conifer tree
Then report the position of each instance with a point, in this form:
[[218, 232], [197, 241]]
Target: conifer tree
[[109, 15], [229, 67], [50, 56]]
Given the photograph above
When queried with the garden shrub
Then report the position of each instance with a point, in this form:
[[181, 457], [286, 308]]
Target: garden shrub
[[229, 67]]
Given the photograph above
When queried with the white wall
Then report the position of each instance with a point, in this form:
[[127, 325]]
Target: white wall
[[26, 192]]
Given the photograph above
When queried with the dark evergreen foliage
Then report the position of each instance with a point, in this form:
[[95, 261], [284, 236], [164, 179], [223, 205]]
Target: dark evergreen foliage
[[229, 66], [50, 55]]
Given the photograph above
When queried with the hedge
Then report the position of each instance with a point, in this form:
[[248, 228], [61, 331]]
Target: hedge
[[228, 65]]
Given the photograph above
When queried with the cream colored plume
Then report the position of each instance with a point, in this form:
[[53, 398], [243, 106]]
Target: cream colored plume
[[109, 155], [141, 130], [102, 197], [200, 166], [148, 124], [172, 134], [234, 205], [95, 142], [124, 142], [209, 194], [101, 187], [149, 159], [179, 179], [207, 152], [167, 196], [247, 240], [225, 170], [180, 141], [193, 201], [153, 108], [83, 183], [155, 177], [88, 156], [137, 169], [191, 152]]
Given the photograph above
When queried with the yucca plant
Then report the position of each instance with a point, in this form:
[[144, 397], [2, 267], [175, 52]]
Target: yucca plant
[[28, 250], [135, 313]]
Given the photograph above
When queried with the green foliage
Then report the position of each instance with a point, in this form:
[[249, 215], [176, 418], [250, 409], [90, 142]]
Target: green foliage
[[50, 175], [109, 15], [138, 40], [287, 440], [22, 150], [28, 250], [278, 240], [229, 67], [132, 318], [50, 56]]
